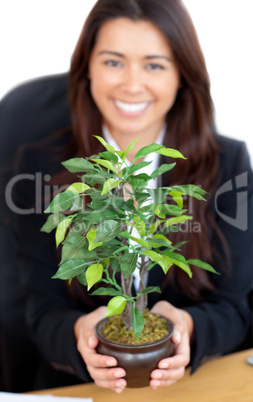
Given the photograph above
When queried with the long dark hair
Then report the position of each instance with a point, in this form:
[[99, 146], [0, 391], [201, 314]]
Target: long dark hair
[[190, 122]]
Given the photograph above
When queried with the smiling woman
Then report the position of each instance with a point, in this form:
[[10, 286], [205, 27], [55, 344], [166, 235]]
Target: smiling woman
[[37, 56], [133, 79], [138, 71]]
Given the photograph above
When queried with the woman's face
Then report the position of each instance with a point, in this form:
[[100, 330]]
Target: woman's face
[[133, 78]]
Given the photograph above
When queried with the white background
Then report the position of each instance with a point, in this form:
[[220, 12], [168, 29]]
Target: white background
[[38, 37]]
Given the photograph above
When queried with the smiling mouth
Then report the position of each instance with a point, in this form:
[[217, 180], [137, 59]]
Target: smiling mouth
[[131, 107]]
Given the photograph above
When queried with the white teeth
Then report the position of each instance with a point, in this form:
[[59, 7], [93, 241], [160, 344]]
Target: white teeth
[[131, 107]]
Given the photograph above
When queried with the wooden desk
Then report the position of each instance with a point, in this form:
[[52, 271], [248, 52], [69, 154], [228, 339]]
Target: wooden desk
[[225, 379]]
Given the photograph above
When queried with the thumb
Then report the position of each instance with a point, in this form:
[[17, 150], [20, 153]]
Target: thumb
[[92, 341], [176, 337]]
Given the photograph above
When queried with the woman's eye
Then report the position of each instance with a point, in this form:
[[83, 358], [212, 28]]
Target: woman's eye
[[113, 63], [154, 66]]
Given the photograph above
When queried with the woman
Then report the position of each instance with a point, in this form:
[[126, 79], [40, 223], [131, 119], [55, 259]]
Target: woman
[[138, 72]]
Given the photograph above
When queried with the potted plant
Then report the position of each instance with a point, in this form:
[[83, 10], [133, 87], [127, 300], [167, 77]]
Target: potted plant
[[110, 224]]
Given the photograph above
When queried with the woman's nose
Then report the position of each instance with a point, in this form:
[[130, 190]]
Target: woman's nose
[[133, 82]]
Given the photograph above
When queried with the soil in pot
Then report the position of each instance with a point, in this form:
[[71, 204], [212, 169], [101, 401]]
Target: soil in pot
[[139, 357]]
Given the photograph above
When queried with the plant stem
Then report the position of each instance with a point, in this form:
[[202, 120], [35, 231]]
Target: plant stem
[[142, 301], [126, 284]]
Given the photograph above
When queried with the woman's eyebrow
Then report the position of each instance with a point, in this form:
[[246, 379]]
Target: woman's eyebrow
[[152, 56], [157, 56], [111, 53]]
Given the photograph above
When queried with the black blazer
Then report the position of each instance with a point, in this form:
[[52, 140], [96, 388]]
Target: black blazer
[[28, 113], [221, 321]]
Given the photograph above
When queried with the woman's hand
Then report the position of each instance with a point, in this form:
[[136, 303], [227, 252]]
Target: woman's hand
[[101, 368], [172, 368]]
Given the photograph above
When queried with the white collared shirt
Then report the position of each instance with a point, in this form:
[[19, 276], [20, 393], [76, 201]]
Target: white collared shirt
[[154, 158]]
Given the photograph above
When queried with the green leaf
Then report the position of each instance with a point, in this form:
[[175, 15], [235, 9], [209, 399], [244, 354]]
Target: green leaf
[[157, 243], [142, 176], [78, 188], [104, 143], [70, 269], [161, 237], [157, 194], [120, 154], [109, 251], [96, 178], [171, 210], [100, 216], [78, 204], [181, 262], [134, 167], [164, 261], [177, 197], [77, 247], [117, 203], [106, 164], [129, 148], [107, 231], [154, 227], [109, 156], [198, 197], [141, 242], [148, 208], [116, 306], [76, 165], [79, 228], [62, 202], [128, 263], [147, 150], [94, 274], [125, 235], [109, 185], [115, 265], [191, 190], [162, 169], [177, 220], [52, 222], [82, 279], [106, 292], [203, 265], [61, 230], [159, 213], [138, 321], [141, 197], [91, 236], [138, 184], [140, 227], [150, 289], [172, 153]]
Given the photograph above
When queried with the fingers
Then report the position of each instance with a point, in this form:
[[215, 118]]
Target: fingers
[[172, 369], [164, 378], [174, 315], [86, 346], [181, 357], [93, 359], [92, 341], [116, 385], [107, 374], [102, 368], [174, 362], [177, 336]]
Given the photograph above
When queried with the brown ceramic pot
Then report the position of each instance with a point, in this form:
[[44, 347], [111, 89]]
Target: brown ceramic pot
[[137, 360]]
